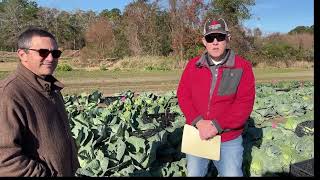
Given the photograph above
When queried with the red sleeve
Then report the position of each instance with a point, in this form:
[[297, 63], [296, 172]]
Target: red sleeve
[[184, 95], [236, 116]]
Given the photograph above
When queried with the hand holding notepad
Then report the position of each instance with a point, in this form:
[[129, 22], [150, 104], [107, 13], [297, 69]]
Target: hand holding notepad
[[192, 144]]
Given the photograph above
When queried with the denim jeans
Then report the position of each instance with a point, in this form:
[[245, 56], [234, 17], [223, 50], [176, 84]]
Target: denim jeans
[[230, 163]]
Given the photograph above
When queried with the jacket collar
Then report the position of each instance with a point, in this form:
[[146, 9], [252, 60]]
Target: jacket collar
[[47, 84], [227, 61]]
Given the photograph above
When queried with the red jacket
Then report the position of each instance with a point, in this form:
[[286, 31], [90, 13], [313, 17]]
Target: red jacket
[[227, 100]]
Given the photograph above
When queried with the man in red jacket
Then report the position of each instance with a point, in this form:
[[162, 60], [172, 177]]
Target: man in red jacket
[[216, 94]]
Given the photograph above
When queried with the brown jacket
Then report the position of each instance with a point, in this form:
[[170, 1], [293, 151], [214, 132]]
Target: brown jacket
[[35, 136]]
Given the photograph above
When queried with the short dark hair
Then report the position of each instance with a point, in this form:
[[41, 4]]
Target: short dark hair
[[25, 38]]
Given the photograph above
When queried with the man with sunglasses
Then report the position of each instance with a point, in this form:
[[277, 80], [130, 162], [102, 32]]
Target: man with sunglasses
[[35, 135], [216, 94]]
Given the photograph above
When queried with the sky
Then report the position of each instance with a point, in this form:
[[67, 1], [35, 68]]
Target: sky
[[268, 15]]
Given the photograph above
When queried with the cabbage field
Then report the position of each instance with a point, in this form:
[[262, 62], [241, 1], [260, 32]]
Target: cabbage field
[[132, 134]]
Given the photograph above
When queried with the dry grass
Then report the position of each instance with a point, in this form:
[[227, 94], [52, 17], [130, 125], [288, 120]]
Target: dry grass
[[8, 66], [305, 40], [147, 63], [282, 64], [7, 54], [8, 60], [302, 64]]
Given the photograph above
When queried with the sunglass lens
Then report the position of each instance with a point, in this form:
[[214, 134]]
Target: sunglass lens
[[44, 52], [221, 37], [56, 53], [209, 38]]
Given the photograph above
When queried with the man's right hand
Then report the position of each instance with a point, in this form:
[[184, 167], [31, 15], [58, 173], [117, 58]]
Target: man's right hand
[[206, 129]]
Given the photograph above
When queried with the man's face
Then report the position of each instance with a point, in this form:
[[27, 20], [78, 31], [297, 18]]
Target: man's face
[[31, 59], [215, 43]]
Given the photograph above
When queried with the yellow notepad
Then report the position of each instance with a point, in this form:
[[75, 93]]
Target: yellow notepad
[[192, 144]]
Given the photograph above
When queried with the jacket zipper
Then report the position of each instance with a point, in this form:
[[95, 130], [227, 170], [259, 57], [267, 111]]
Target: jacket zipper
[[212, 88]]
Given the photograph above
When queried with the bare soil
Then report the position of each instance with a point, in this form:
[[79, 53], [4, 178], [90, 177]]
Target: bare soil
[[112, 82], [160, 82]]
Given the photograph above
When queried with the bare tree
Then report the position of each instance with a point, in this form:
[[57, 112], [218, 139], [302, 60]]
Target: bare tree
[[185, 16], [15, 15], [99, 39]]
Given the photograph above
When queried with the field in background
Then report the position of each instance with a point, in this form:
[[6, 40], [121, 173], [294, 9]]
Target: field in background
[[150, 74]]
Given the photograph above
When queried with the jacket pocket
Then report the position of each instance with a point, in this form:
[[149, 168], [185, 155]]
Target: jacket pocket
[[229, 81]]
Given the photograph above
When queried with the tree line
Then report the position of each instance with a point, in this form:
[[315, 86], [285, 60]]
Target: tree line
[[145, 27]]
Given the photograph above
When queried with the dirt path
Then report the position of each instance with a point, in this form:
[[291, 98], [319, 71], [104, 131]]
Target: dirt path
[[111, 82], [158, 82]]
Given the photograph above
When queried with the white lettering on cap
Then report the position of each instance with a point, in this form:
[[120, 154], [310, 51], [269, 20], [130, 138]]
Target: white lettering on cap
[[215, 26]]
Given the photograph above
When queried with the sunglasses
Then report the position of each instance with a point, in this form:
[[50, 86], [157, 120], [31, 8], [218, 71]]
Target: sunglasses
[[45, 52], [220, 37]]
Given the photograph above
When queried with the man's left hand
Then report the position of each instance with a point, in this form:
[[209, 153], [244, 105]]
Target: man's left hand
[[206, 129]]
